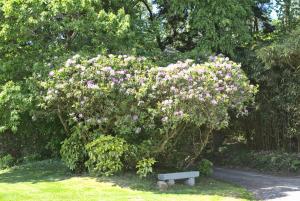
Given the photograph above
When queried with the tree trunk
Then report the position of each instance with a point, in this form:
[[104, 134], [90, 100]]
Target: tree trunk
[[198, 147]]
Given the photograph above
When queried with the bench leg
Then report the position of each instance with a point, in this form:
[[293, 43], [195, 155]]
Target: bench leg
[[190, 181], [171, 182]]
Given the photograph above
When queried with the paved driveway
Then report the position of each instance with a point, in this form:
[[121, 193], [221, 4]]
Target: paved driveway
[[264, 187]]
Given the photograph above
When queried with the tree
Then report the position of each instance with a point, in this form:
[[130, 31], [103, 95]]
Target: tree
[[281, 78], [203, 25], [35, 37], [35, 33], [288, 12]]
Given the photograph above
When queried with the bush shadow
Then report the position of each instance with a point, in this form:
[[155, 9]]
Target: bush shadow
[[43, 171], [53, 171], [204, 186]]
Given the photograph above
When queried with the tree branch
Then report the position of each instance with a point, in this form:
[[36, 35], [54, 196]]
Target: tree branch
[[152, 18], [62, 120]]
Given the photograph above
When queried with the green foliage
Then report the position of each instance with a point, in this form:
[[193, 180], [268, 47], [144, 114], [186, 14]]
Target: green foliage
[[156, 110], [105, 154], [6, 161], [295, 164], [31, 158], [274, 125], [131, 98], [205, 167], [12, 104], [262, 160], [288, 13], [203, 25], [145, 166], [37, 36], [73, 152], [42, 30]]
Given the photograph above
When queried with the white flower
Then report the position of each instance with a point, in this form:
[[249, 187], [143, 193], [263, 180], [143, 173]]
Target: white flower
[[51, 74], [140, 103], [135, 117], [214, 102], [138, 130], [164, 119], [167, 102], [179, 113], [70, 62]]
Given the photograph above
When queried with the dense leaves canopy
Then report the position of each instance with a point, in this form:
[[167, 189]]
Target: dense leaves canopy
[[55, 104], [204, 25]]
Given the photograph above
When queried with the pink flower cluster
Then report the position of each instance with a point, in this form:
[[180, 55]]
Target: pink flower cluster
[[183, 91]]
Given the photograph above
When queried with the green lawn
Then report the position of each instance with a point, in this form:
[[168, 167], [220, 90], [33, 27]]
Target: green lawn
[[50, 181]]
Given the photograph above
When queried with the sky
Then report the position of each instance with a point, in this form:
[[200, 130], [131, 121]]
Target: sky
[[273, 13]]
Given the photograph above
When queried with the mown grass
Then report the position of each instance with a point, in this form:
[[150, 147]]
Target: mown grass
[[51, 181]]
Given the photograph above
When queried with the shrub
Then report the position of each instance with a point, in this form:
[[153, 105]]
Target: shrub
[[205, 167], [260, 160], [12, 106], [73, 152], [131, 98], [105, 155], [145, 166], [6, 161], [295, 164]]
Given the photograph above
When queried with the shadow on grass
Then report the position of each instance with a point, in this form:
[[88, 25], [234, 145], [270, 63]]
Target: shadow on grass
[[43, 171], [52, 171], [204, 186]]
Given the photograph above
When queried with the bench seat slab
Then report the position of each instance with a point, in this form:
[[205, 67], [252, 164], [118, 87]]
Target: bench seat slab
[[178, 175]]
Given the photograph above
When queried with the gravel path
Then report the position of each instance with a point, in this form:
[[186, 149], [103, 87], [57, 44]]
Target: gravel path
[[264, 187]]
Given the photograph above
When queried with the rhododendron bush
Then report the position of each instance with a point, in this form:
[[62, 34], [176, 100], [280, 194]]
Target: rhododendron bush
[[167, 113]]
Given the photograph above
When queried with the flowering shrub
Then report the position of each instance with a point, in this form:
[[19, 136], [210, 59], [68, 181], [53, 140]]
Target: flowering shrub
[[132, 98]]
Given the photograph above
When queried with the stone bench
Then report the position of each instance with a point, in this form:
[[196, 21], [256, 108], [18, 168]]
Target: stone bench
[[171, 177]]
